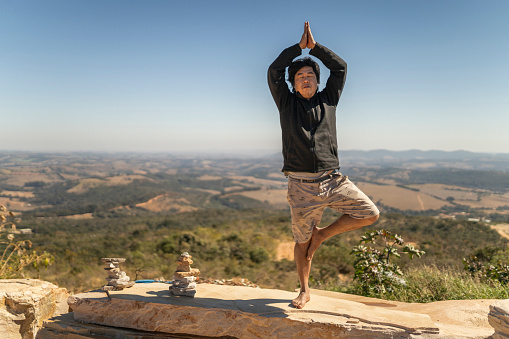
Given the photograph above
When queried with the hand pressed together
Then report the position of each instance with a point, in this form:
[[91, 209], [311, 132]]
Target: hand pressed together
[[307, 40]]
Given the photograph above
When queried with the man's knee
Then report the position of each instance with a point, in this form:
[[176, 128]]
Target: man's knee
[[372, 219], [302, 245]]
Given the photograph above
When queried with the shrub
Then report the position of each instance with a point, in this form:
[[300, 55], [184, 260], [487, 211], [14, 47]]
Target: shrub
[[483, 264], [430, 283], [374, 271], [16, 254], [259, 255]]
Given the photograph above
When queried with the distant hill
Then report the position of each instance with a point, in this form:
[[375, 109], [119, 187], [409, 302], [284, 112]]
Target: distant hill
[[81, 184], [426, 159]]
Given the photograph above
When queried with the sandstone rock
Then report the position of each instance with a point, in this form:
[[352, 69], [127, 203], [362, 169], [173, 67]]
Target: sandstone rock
[[26, 303], [244, 312], [183, 268], [193, 273], [499, 318]]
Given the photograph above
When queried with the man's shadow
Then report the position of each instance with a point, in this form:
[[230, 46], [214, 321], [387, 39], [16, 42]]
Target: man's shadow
[[264, 307]]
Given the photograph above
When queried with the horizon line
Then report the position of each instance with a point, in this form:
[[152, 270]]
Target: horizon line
[[249, 153]]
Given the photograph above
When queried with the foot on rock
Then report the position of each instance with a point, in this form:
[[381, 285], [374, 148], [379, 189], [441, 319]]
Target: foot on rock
[[301, 300]]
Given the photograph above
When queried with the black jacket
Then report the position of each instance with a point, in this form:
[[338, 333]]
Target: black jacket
[[308, 126]]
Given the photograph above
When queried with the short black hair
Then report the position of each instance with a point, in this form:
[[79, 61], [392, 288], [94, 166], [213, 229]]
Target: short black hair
[[296, 65]]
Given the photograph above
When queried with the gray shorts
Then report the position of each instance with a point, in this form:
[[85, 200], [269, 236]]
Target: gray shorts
[[308, 200]]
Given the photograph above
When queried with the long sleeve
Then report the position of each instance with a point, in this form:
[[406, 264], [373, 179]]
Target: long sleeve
[[337, 67], [276, 74]]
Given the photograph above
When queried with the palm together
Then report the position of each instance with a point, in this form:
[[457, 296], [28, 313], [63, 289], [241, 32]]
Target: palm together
[[307, 39]]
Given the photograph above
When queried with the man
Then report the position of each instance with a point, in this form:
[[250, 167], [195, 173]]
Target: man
[[308, 124]]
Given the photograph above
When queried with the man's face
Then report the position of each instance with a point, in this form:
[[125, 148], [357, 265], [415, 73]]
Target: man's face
[[305, 82]]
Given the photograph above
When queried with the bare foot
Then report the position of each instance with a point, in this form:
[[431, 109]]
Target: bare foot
[[301, 300], [316, 241]]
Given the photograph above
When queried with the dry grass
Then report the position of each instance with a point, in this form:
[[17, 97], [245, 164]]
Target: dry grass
[[276, 198], [475, 198], [20, 178], [164, 203], [15, 205], [502, 229], [258, 181], [89, 183], [211, 192], [445, 191], [18, 194], [277, 175], [233, 188], [488, 201], [207, 177], [126, 179], [285, 250], [401, 198], [79, 216]]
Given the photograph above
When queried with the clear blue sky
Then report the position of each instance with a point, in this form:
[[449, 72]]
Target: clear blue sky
[[190, 76]]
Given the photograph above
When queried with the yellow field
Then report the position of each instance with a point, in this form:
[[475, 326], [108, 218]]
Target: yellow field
[[258, 181], [488, 201], [389, 195], [80, 216], [476, 198], [20, 178], [233, 188], [445, 191], [14, 205], [401, 198], [211, 192], [207, 177]]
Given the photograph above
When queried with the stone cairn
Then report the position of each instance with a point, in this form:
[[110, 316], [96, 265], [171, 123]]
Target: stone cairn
[[117, 279], [184, 277]]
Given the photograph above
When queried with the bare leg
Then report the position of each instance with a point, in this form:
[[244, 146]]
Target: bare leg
[[303, 269], [344, 224]]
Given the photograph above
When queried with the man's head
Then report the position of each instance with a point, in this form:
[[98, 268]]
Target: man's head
[[304, 75]]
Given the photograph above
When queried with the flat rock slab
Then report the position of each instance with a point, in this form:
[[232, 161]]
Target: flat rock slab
[[245, 312], [454, 318]]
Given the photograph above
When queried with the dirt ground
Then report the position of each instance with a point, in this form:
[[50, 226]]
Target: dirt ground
[[502, 229], [285, 250]]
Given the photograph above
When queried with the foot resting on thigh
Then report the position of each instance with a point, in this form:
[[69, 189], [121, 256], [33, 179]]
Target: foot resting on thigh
[[316, 241], [302, 299]]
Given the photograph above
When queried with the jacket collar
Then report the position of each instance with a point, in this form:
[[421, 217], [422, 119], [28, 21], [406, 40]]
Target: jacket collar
[[301, 97]]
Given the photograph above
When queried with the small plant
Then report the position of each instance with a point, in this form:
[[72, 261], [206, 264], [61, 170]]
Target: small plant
[[374, 270], [16, 254]]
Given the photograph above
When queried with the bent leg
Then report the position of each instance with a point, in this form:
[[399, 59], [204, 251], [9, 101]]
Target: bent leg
[[303, 269], [358, 211], [344, 224]]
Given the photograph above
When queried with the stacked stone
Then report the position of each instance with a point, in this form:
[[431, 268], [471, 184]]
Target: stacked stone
[[117, 279], [184, 277]]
